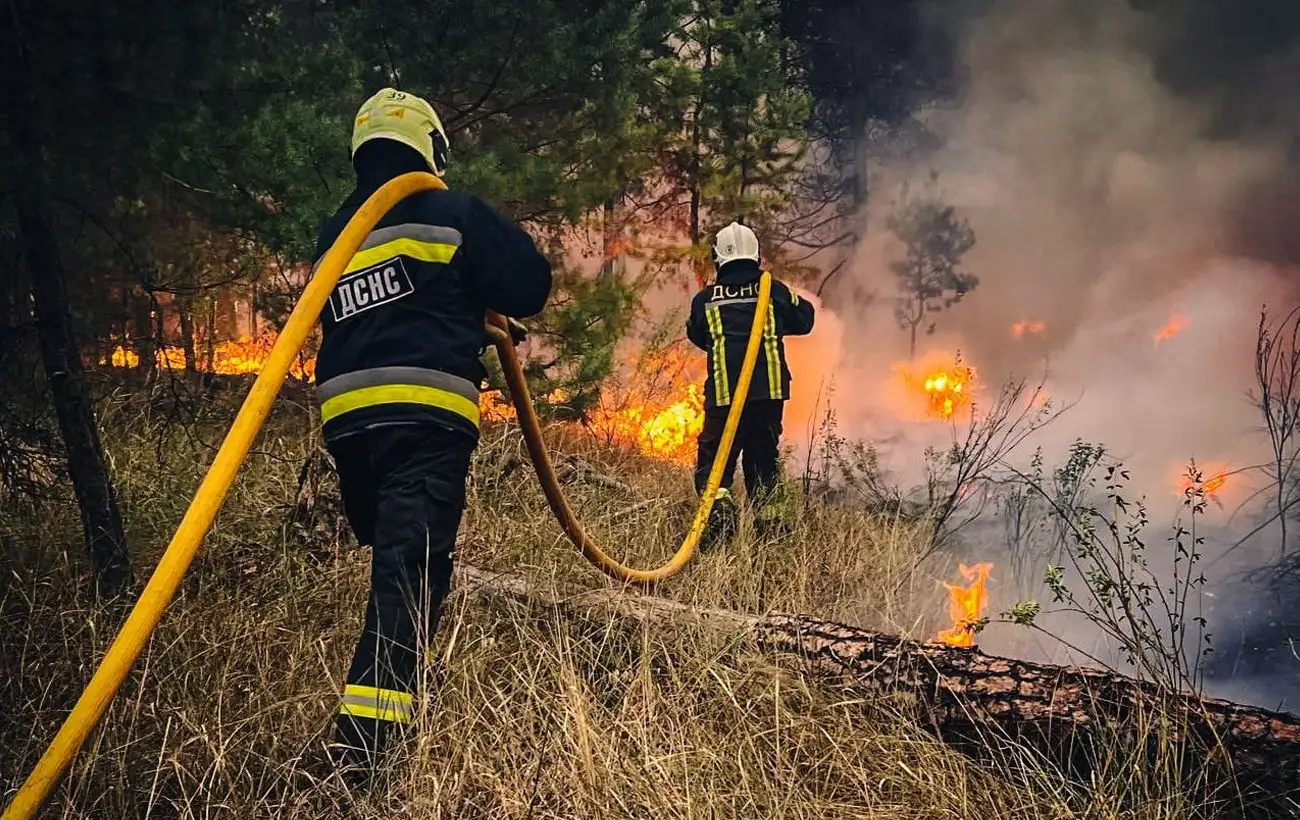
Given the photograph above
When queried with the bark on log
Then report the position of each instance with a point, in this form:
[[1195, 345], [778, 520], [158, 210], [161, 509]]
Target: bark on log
[[973, 699]]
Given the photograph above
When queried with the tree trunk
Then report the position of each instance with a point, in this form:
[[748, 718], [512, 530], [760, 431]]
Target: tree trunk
[[253, 329], [697, 159], [911, 349], [969, 697], [210, 338], [609, 238], [146, 343], [100, 518], [974, 700], [183, 308]]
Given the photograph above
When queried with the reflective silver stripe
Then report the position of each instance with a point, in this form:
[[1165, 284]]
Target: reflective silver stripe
[[743, 301], [406, 230], [376, 376], [412, 230]]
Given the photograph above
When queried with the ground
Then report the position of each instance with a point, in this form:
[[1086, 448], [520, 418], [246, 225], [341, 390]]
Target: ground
[[538, 713]]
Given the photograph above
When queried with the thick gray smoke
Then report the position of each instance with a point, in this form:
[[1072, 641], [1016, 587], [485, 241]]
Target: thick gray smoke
[[1126, 171]]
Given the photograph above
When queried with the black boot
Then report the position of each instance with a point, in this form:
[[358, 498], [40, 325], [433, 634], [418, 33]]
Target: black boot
[[724, 520]]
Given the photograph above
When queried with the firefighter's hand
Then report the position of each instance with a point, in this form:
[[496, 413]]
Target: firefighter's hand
[[518, 332]]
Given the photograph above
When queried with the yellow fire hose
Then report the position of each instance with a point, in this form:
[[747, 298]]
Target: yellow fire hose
[[147, 612], [551, 486]]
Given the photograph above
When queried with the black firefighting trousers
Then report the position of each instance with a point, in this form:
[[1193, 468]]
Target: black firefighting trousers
[[403, 491], [757, 444]]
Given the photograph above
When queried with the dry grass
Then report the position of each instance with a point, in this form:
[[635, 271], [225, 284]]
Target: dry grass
[[537, 714]]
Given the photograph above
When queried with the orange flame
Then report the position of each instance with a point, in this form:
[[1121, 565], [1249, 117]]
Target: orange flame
[[941, 382], [1176, 324], [230, 358], [967, 605], [492, 407], [666, 432], [1211, 482], [654, 416], [1019, 329], [495, 407], [664, 426]]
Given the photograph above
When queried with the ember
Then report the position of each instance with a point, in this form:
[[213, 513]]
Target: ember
[[1019, 329], [967, 606], [1176, 324]]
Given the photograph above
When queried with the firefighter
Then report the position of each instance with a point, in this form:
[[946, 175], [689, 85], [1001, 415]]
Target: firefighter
[[721, 318], [398, 376]]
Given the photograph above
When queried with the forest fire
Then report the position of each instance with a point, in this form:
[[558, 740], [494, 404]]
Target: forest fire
[[666, 432], [493, 407], [662, 424], [653, 413], [230, 358], [941, 383], [966, 607], [1177, 324]]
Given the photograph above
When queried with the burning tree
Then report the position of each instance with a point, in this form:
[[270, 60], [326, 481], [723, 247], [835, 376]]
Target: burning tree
[[930, 277]]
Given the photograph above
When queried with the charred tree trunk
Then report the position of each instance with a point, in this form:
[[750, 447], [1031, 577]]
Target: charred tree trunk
[[210, 335], [186, 319], [100, 518], [146, 342], [977, 701]]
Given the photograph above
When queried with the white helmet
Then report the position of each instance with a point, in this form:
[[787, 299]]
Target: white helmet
[[735, 242]]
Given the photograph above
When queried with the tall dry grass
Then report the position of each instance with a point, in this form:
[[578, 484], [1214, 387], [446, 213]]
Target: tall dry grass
[[538, 713]]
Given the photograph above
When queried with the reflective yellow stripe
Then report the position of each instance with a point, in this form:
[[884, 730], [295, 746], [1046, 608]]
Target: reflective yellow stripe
[[376, 692], [398, 394], [721, 387], [773, 356], [405, 246], [374, 703]]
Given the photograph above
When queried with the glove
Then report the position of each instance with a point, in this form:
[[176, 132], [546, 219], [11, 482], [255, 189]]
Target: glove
[[517, 331]]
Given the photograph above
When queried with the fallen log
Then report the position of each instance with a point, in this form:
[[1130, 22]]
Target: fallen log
[[975, 700]]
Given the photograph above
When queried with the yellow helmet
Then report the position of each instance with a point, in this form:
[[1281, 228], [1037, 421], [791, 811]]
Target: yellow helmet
[[396, 115]]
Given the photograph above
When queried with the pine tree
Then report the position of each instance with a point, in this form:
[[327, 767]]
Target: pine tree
[[930, 278], [741, 137]]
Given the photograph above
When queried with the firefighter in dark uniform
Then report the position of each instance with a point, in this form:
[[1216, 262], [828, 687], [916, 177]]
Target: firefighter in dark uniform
[[720, 321], [398, 376]]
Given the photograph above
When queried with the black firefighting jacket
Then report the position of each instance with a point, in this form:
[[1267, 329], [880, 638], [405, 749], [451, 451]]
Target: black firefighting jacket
[[721, 317], [402, 333]]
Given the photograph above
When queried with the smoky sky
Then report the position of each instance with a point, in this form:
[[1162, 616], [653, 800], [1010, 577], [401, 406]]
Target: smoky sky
[[1130, 171], [1242, 57], [1124, 165]]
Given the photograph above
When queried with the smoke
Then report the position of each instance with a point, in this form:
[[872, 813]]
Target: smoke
[[1124, 166]]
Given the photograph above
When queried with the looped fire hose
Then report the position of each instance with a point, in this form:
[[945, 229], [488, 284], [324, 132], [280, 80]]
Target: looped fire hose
[[185, 543], [514, 374]]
